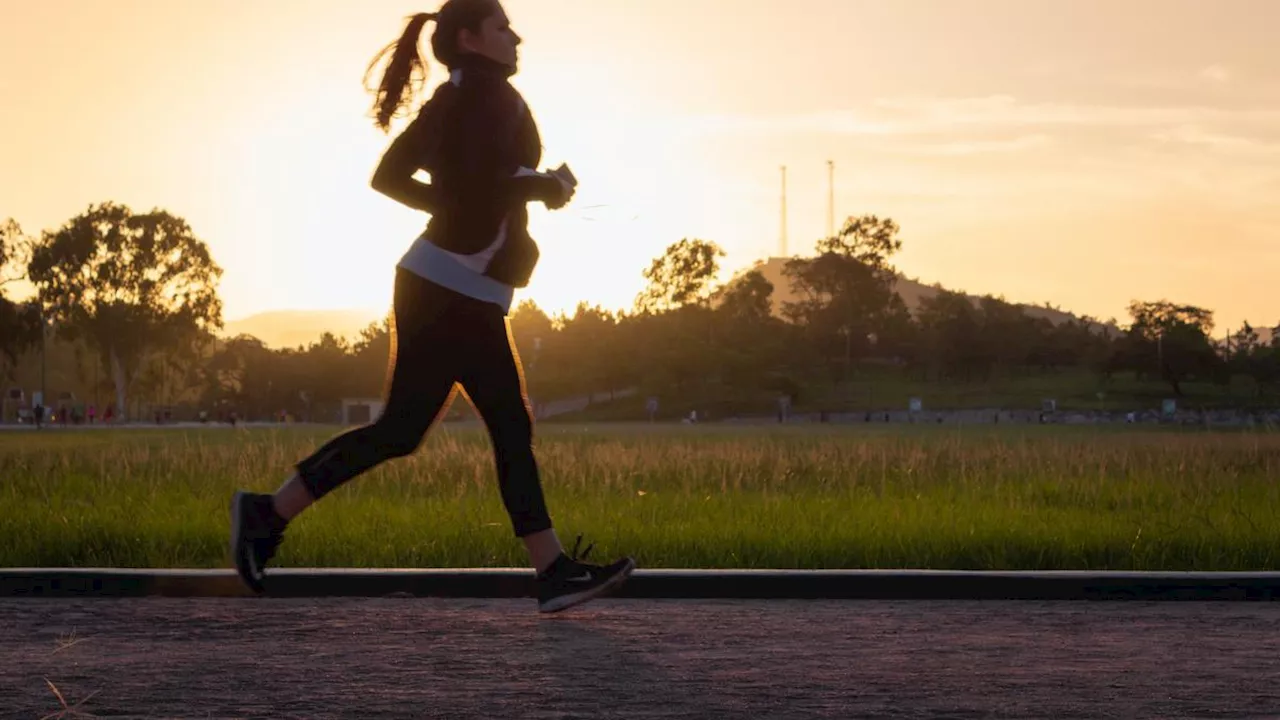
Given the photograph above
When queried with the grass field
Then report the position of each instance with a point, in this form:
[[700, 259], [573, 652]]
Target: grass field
[[674, 496]]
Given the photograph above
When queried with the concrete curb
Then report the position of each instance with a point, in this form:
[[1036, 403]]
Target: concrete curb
[[675, 584]]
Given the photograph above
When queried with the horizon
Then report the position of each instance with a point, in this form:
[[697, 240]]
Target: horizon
[[1067, 154]]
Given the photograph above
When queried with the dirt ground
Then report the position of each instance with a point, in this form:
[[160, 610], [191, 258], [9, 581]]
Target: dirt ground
[[433, 658]]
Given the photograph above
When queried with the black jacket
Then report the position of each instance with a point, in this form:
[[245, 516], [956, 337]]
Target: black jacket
[[474, 136]]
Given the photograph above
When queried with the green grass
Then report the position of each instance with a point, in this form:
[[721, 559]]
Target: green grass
[[706, 496]]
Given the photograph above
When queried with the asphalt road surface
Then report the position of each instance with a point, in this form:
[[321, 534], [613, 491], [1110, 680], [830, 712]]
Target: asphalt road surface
[[434, 658]]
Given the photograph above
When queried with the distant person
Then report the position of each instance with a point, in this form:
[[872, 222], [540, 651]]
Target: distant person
[[38, 412], [453, 290], [93, 413]]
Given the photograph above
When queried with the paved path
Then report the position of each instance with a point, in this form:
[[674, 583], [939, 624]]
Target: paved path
[[438, 658]]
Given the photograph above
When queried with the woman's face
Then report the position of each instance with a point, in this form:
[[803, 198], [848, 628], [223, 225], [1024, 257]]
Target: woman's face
[[495, 40]]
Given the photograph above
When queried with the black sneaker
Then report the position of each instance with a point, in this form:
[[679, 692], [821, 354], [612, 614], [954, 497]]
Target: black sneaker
[[256, 532], [570, 581]]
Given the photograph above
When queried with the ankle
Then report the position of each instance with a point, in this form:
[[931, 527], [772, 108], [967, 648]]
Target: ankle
[[291, 498], [543, 548], [275, 518], [555, 565]]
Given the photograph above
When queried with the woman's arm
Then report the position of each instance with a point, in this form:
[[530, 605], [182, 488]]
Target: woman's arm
[[485, 137], [394, 175], [487, 140]]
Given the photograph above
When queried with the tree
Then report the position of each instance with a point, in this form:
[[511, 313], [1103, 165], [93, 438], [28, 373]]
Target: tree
[[127, 283], [681, 276], [1267, 360], [1244, 342], [19, 322], [12, 242], [753, 341], [846, 292], [1170, 340], [869, 239], [1076, 342], [536, 338], [323, 373], [1164, 314], [747, 299], [583, 347], [1009, 337], [1249, 362], [531, 328], [949, 325], [171, 373], [371, 351], [241, 377], [898, 337]]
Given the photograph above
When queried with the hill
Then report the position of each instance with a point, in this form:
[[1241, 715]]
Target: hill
[[291, 328], [912, 292]]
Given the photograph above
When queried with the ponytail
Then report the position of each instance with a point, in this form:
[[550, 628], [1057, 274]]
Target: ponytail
[[406, 70]]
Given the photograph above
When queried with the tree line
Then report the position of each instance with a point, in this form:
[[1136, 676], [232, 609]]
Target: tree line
[[126, 306]]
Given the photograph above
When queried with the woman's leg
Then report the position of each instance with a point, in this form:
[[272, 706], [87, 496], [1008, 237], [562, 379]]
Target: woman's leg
[[492, 377], [420, 388], [422, 380], [490, 374]]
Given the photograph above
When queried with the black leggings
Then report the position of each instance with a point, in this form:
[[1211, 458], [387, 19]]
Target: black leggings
[[442, 337]]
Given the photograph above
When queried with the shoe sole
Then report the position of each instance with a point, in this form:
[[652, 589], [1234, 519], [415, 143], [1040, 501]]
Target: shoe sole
[[240, 550], [564, 602]]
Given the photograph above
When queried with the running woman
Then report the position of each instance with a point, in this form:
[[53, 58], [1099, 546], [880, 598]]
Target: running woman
[[453, 289]]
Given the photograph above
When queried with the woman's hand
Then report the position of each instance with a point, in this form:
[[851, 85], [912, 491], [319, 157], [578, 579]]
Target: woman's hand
[[568, 186], [565, 195]]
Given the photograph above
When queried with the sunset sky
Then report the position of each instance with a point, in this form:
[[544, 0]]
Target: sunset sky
[[1081, 152]]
